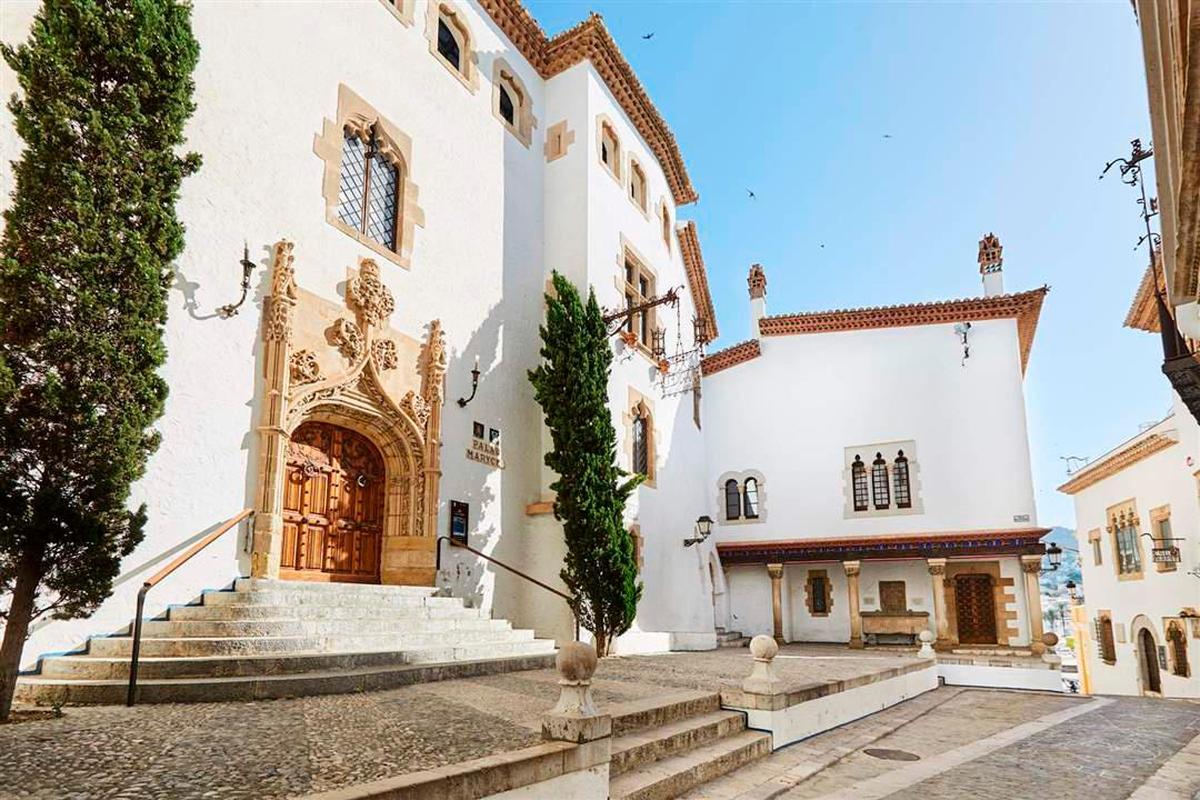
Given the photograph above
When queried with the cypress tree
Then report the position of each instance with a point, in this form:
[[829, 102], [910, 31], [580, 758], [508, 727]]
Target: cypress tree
[[89, 237], [571, 385]]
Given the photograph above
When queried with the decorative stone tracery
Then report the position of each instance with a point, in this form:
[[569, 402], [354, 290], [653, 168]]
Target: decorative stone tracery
[[406, 430]]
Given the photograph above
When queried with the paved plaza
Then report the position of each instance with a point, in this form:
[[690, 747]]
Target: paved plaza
[[968, 742]]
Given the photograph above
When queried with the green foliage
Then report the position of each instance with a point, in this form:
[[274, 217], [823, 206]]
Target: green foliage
[[106, 90], [571, 385]]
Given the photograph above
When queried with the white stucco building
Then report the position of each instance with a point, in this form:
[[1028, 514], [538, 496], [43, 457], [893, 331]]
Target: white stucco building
[[1137, 512], [405, 206]]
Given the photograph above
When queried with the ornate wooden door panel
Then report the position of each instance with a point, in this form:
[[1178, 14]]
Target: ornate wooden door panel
[[332, 506], [975, 605]]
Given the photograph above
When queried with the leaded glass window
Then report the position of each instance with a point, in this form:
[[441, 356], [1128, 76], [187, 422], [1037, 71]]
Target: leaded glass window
[[858, 477], [733, 500], [879, 482], [447, 45], [751, 498], [900, 479], [819, 587], [1129, 559], [369, 190], [641, 444]]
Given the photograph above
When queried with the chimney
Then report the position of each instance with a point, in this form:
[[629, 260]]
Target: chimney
[[758, 297], [991, 265]]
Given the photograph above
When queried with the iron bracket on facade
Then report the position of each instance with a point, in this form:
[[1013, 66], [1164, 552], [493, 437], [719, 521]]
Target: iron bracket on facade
[[620, 316]]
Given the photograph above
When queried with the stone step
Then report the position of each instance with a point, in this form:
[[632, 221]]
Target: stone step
[[654, 744], [46, 691], [92, 667], [677, 774], [330, 598], [371, 589], [344, 626], [661, 710], [185, 646], [218, 611]]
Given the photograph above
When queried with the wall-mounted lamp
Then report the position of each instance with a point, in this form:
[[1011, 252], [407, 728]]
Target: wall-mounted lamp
[[1053, 557], [1072, 591], [962, 329], [703, 531], [462, 401], [231, 309]]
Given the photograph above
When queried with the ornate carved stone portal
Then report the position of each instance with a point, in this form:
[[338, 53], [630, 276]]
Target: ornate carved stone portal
[[342, 365]]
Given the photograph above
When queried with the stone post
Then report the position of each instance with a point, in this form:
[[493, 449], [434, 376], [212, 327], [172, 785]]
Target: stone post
[[1031, 566], [926, 651], [852, 568], [575, 717], [776, 573], [941, 618], [763, 679]]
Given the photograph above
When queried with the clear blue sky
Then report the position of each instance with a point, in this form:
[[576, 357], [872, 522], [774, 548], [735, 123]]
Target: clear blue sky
[[1001, 116]]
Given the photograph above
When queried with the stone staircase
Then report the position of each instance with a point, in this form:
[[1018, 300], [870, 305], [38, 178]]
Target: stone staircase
[[271, 639], [731, 638], [665, 746]]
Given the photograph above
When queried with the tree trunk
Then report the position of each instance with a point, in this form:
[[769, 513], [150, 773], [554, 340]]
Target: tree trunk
[[601, 643], [16, 629]]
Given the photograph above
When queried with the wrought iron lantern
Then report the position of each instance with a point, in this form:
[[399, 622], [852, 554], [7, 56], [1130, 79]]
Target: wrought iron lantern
[[231, 309], [1072, 590], [659, 343], [1054, 556], [703, 531], [462, 401]]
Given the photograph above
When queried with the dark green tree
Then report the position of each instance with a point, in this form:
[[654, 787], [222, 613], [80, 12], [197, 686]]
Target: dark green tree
[[85, 259], [571, 385]]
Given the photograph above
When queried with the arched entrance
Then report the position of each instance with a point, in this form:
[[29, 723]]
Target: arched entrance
[[975, 609], [1148, 658], [333, 506]]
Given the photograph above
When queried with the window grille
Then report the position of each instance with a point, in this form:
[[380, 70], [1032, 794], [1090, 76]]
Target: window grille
[[733, 500], [858, 477], [1178, 641], [819, 591], [369, 190], [1105, 641], [879, 482], [751, 498], [447, 45], [900, 479], [641, 444]]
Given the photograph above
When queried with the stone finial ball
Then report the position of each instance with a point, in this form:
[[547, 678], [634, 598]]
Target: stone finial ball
[[763, 647], [925, 636], [1050, 638], [576, 661]]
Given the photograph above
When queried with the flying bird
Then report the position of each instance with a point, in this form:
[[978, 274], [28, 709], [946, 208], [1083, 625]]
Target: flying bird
[[887, 136], [648, 36], [752, 195]]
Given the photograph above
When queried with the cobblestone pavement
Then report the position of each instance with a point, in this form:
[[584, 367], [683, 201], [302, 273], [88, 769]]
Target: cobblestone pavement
[[280, 748], [988, 744]]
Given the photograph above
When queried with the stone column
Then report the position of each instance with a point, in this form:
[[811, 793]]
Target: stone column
[[856, 640], [937, 576], [1031, 566], [776, 573]]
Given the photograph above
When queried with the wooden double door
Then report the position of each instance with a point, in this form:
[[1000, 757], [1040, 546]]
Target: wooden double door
[[333, 506], [975, 609]]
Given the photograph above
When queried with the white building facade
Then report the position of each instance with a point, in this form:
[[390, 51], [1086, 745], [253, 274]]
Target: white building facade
[[406, 175], [1137, 510]]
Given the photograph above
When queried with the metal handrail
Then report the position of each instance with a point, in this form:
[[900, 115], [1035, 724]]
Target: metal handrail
[[513, 570], [157, 578]]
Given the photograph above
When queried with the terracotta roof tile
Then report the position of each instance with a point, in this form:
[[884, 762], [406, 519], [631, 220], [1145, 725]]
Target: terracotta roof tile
[[693, 261], [730, 356]]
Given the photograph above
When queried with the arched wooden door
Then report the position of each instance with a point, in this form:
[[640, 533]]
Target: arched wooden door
[[1152, 681], [975, 609], [332, 506]]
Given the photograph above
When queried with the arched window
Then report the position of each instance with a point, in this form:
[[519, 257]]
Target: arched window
[[610, 149], [900, 479], [449, 45], [1178, 641], [858, 477], [879, 482], [750, 494], [641, 442], [368, 192], [637, 185], [507, 111], [733, 500]]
